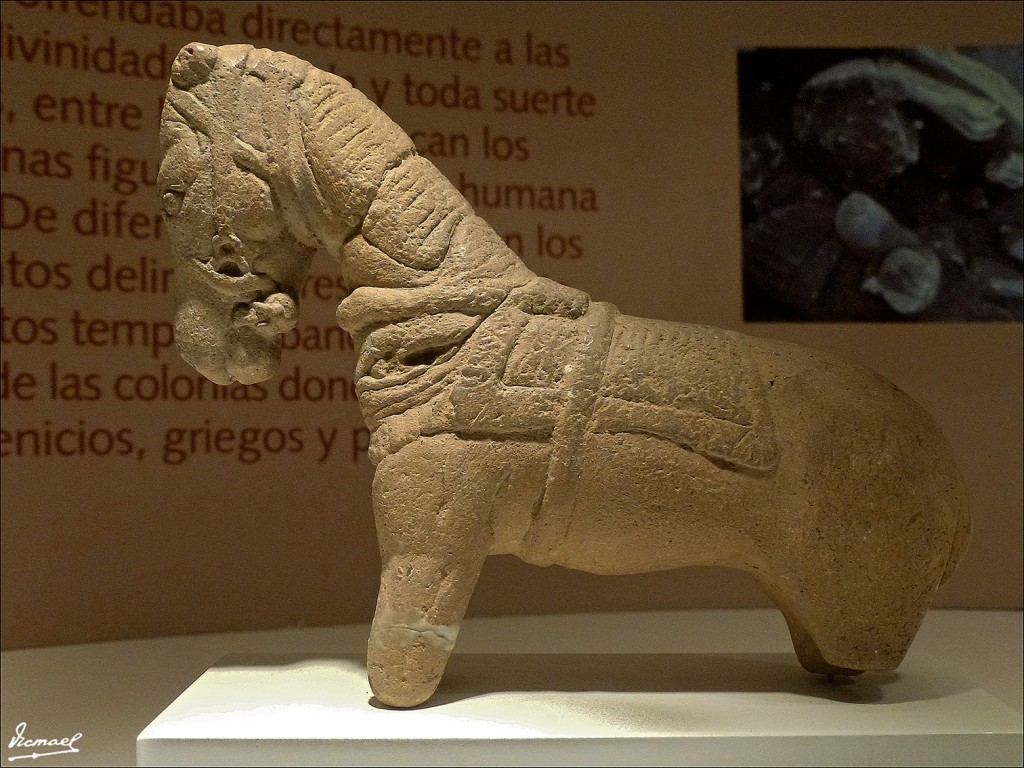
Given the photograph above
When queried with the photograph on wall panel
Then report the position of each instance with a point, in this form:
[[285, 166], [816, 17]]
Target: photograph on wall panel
[[882, 184]]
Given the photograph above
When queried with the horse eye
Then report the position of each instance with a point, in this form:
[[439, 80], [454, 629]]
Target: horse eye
[[172, 201]]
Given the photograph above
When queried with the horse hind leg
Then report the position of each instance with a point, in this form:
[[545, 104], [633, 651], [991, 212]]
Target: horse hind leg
[[808, 653], [851, 646], [842, 633], [856, 596], [859, 617]]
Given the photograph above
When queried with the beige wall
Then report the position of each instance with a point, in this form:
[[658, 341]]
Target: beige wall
[[101, 547]]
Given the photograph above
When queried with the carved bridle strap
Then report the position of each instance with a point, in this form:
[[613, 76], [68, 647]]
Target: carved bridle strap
[[367, 306], [583, 383], [285, 165], [482, 403]]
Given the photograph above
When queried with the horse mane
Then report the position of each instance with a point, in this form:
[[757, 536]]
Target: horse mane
[[413, 227], [346, 176]]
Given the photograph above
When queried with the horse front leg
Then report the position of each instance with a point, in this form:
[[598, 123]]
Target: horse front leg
[[432, 502]]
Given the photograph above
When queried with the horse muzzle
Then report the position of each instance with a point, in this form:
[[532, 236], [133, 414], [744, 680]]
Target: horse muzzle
[[229, 328]]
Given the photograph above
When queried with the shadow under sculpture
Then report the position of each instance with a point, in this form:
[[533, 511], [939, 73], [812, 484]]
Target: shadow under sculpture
[[512, 414]]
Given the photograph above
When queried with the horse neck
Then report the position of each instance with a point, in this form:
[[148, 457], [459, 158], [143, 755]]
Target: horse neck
[[403, 229], [419, 233], [475, 274], [384, 211]]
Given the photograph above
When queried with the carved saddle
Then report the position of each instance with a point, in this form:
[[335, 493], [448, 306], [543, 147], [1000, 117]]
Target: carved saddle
[[606, 372]]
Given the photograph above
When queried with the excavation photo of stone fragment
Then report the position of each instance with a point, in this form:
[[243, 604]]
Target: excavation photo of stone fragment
[[511, 414], [882, 184]]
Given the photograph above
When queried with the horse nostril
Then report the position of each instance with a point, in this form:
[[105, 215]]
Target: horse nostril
[[228, 259]]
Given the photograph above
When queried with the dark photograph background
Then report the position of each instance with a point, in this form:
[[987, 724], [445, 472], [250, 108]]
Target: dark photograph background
[[882, 184]]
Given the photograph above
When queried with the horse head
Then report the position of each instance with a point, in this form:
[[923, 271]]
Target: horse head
[[267, 159], [242, 209]]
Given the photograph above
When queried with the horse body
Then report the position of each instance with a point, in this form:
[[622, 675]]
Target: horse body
[[511, 414]]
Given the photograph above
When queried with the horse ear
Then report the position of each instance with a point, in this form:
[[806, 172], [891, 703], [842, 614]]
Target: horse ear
[[193, 65]]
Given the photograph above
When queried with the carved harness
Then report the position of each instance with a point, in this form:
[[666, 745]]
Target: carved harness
[[555, 377]]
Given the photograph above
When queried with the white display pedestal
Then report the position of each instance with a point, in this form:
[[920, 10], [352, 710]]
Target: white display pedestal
[[706, 674], [583, 709]]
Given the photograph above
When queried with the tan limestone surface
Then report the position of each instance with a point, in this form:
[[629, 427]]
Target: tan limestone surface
[[512, 414]]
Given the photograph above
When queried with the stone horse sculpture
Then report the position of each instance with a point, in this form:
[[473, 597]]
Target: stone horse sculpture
[[512, 414]]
